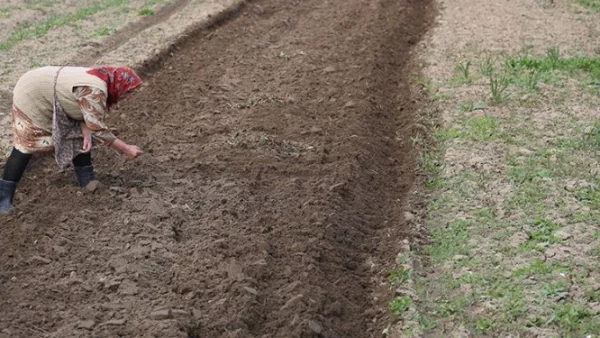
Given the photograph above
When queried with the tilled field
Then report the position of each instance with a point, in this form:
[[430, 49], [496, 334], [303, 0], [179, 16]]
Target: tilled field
[[269, 200]]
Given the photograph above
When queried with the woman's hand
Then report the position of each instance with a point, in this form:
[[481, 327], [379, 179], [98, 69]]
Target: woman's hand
[[130, 150], [87, 137]]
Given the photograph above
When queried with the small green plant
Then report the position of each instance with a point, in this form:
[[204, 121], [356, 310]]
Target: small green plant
[[532, 79], [427, 323], [5, 12], [589, 196], [454, 307], [104, 31], [146, 12], [592, 295], [284, 56], [498, 88], [542, 231], [398, 277], [487, 213], [573, 318], [264, 140], [399, 305], [484, 324], [444, 96], [464, 73], [464, 69], [481, 128], [469, 106], [466, 107], [486, 67], [553, 54], [557, 289], [430, 163], [592, 138], [239, 142]]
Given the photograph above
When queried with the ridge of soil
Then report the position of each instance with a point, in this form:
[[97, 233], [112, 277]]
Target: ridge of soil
[[268, 203]]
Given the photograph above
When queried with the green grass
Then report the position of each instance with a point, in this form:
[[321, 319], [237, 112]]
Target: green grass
[[40, 4], [444, 96], [528, 197], [104, 31], [40, 29], [540, 232], [398, 277], [482, 128], [593, 4], [539, 267], [589, 196], [592, 139], [6, 12], [429, 160], [399, 305], [587, 138], [574, 319], [526, 72], [34, 64], [450, 241], [146, 12], [484, 325], [555, 289], [476, 129], [553, 61], [494, 263]]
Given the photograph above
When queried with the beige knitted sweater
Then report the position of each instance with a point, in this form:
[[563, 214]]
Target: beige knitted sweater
[[34, 92]]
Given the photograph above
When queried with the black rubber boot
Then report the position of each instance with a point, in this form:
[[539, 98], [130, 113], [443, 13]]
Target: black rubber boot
[[7, 193], [85, 175]]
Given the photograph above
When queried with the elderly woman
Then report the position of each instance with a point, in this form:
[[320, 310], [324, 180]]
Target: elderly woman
[[62, 109]]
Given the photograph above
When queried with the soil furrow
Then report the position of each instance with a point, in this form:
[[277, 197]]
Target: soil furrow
[[268, 204]]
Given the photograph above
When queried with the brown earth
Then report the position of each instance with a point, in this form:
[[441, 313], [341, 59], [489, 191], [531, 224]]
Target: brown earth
[[268, 204]]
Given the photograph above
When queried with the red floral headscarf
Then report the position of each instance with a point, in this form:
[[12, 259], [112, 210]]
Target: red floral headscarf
[[119, 80]]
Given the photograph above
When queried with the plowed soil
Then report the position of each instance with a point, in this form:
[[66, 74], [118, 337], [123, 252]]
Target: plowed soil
[[269, 200]]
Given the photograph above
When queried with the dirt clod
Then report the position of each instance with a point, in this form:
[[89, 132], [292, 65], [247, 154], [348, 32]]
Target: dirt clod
[[114, 322], [315, 326], [250, 290], [161, 314], [86, 324], [128, 288], [92, 186]]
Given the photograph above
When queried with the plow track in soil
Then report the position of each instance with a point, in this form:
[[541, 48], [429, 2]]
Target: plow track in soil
[[268, 203]]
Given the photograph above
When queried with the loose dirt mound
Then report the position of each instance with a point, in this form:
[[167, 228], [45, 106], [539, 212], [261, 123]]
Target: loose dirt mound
[[267, 205]]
